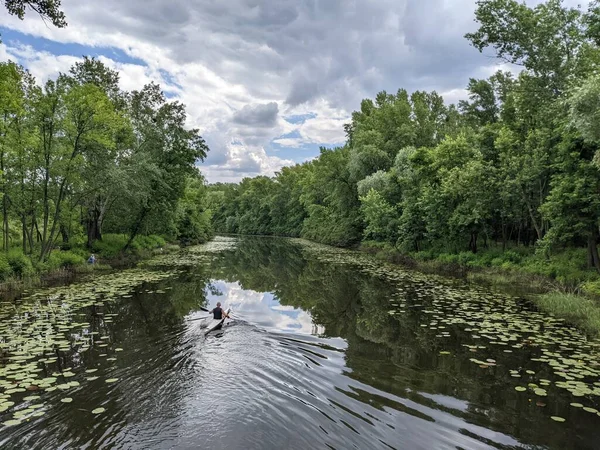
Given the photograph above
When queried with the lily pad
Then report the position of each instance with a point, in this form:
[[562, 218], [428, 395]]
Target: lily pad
[[11, 423]]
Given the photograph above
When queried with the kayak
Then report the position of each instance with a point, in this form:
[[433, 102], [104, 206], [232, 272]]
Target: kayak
[[214, 324]]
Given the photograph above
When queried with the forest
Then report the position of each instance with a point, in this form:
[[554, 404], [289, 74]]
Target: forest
[[86, 167], [508, 177]]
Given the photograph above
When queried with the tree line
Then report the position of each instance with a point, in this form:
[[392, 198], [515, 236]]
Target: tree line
[[79, 158], [516, 164]]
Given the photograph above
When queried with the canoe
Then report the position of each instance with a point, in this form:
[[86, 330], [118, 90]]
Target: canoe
[[214, 324]]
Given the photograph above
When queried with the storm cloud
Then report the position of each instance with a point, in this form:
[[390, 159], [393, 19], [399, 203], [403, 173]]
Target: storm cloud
[[263, 116], [241, 66]]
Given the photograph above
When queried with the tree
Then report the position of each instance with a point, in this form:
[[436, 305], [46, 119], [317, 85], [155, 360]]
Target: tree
[[164, 154], [47, 9]]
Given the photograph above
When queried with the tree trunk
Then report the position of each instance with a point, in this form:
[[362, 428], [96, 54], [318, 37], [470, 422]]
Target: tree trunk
[[24, 232], [537, 227], [136, 228], [593, 258], [473, 242], [94, 216], [64, 233], [5, 226]]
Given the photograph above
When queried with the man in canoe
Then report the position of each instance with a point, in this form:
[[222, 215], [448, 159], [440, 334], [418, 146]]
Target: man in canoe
[[218, 312]]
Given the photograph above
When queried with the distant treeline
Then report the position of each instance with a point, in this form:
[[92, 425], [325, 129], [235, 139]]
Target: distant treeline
[[514, 165]]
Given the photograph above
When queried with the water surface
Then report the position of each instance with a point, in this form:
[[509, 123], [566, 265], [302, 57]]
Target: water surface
[[328, 349]]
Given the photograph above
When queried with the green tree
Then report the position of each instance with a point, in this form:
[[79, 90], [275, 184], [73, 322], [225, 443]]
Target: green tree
[[47, 9]]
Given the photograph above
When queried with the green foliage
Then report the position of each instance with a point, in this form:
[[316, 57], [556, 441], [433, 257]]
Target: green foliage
[[47, 9], [5, 267], [80, 158], [20, 264], [111, 245], [509, 179], [580, 311], [64, 259]]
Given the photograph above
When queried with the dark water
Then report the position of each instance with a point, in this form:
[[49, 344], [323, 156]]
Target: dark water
[[327, 350]]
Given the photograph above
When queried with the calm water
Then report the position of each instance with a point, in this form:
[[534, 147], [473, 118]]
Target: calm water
[[327, 350]]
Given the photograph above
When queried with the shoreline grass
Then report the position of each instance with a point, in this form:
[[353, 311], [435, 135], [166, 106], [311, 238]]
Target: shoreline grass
[[19, 271], [580, 311], [568, 292]]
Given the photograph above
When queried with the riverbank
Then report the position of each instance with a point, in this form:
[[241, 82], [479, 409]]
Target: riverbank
[[19, 271], [556, 285]]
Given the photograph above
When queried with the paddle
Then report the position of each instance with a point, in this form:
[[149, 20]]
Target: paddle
[[200, 318], [197, 318]]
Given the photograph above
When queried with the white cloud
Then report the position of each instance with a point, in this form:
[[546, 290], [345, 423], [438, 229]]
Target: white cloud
[[244, 161], [42, 65], [223, 58]]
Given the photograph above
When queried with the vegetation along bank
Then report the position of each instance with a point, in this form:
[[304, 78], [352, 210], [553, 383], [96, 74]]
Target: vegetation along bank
[[506, 182], [87, 168]]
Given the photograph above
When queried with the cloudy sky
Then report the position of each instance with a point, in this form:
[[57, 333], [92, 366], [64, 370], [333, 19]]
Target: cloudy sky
[[267, 82]]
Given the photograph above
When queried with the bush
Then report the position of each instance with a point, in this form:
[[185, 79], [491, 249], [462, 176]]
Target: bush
[[20, 264], [447, 258], [66, 259], [5, 268], [110, 246], [147, 242], [592, 288]]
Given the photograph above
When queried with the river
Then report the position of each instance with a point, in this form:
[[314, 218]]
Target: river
[[327, 349]]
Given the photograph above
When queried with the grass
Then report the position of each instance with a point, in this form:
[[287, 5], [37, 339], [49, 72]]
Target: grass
[[559, 284], [18, 270], [583, 312]]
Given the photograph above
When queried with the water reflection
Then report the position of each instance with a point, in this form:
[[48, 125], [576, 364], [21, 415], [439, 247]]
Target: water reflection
[[313, 359], [262, 309]]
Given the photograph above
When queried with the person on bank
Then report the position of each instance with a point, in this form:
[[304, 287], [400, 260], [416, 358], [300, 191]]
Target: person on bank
[[218, 312]]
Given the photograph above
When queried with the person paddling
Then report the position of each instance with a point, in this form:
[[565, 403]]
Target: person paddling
[[218, 312]]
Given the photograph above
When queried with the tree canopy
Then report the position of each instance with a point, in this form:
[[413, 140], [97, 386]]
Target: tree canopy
[[79, 158], [515, 164]]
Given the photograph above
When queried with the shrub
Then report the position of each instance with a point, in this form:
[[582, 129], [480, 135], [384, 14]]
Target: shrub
[[592, 288], [150, 242], [110, 246], [66, 259], [5, 268], [20, 264]]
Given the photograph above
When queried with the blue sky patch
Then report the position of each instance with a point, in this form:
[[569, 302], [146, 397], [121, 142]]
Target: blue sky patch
[[14, 38], [300, 118], [296, 154]]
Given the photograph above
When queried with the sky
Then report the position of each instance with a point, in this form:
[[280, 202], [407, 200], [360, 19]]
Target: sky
[[267, 82]]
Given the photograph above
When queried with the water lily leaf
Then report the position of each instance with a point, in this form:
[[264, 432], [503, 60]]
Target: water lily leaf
[[11, 423], [98, 411], [520, 389], [66, 400], [557, 419], [112, 380]]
